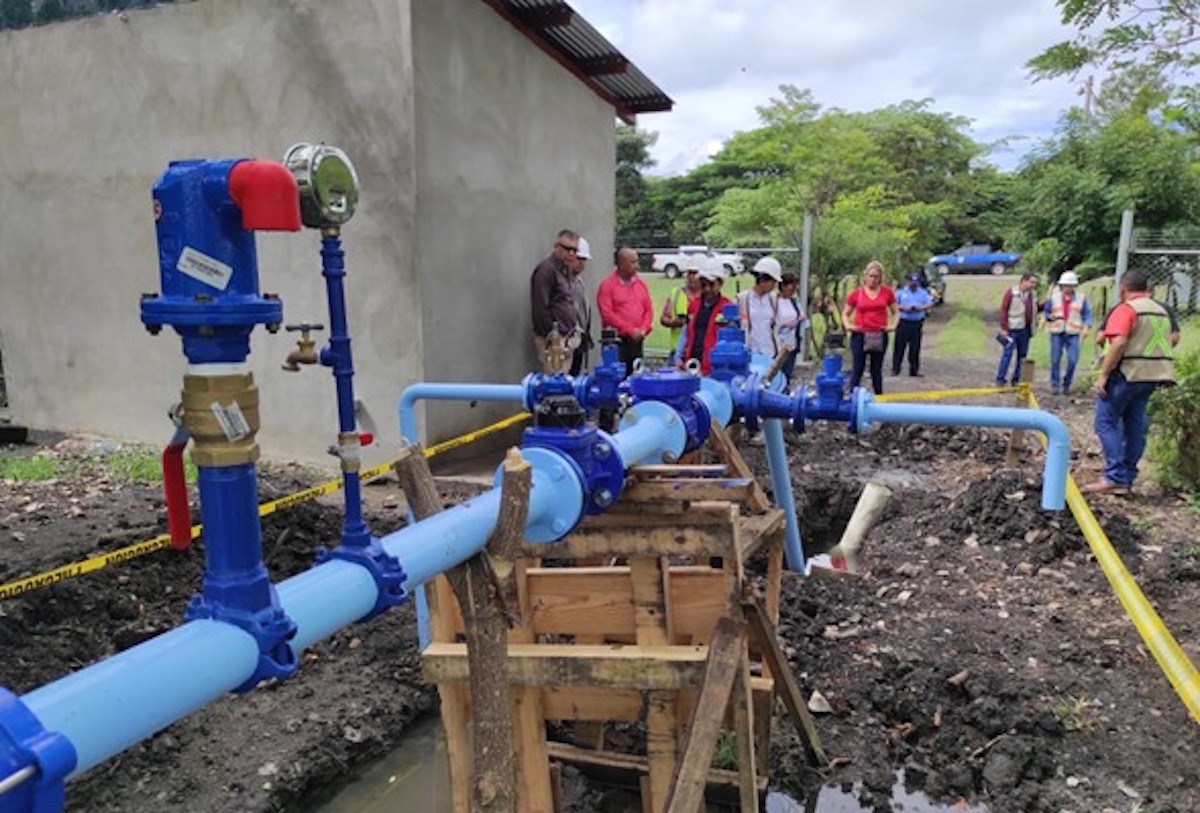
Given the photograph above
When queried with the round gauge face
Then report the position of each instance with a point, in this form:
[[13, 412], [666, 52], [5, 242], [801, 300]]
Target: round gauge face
[[327, 184]]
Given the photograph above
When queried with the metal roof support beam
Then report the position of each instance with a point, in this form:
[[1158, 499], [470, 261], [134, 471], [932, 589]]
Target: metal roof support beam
[[558, 15], [604, 65]]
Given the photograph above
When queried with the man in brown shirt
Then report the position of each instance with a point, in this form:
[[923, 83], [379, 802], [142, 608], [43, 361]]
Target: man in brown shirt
[[552, 302]]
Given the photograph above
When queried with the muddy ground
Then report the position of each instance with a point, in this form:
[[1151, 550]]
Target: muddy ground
[[982, 653]]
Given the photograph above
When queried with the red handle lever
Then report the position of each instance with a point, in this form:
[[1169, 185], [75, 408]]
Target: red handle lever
[[179, 513]]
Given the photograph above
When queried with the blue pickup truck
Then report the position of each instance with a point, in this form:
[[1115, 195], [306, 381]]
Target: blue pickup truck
[[976, 258]]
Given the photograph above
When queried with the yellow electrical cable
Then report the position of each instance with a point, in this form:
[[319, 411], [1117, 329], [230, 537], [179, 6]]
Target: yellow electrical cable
[[1180, 671], [21, 586]]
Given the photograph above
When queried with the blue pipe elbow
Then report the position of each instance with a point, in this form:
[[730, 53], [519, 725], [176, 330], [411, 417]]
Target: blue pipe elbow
[[1058, 441], [514, 393]]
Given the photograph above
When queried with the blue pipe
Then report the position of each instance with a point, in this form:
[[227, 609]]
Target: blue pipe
[[781, 482], [337, 356], [118, 702], [1058, 446], [651, 432], [450, 392]]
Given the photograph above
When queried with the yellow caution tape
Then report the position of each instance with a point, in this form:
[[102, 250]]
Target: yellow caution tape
[[942, 395], [1180, 671], [21, 586]]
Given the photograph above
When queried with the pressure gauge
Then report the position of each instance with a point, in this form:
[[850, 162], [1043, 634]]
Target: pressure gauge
[[327, 183]]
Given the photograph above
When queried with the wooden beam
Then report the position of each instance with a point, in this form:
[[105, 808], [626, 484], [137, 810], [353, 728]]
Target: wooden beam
[[691, 470], [691, 778], [627, 667], [762, 633], [689, 490], [725, 449], [743, 730], [616, 765]]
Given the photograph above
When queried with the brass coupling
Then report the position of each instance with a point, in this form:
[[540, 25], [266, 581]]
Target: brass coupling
[[221, 414], [349, 451]]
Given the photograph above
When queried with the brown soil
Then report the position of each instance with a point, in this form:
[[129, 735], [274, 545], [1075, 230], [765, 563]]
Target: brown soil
[[982, 653]]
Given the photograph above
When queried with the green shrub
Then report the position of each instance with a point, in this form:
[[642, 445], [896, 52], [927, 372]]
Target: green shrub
[[1175, 427]]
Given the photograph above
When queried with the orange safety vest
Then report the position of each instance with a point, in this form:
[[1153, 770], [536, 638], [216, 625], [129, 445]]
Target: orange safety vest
[[1069, 322]]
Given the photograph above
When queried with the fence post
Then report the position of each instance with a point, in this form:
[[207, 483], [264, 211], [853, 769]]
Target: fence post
[[1016, 441]]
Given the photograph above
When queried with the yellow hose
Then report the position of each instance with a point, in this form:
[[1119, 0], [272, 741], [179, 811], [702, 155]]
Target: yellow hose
[[1166, 650]]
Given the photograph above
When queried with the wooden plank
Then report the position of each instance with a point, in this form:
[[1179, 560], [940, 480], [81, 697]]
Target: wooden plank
[[762, 632], [654, 491], [614, 765], [729, 455], [591, 703], [652, 629], [705, 529], [700, 514], [535, 792], [632, 667], [725, 654], [761, 529], [743, 729], [648, 472]]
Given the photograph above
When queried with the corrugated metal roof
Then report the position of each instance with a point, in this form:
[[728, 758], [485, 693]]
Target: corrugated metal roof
[[564, 34]]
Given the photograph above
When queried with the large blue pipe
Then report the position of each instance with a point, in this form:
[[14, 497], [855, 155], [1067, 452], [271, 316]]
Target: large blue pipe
[[781, 482], [1058, 446], [118, 702], [111, 705]]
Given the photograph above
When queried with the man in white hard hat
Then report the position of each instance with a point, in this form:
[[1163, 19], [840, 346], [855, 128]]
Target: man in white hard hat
[[757, 307], [701, 333], [582, 339], [1068, 318]]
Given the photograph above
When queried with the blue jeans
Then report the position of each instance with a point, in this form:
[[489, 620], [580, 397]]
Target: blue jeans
[[1121, 425], [1058, 343], [1020, 346]]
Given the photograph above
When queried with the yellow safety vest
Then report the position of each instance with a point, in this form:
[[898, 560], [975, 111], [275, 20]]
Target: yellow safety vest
[[1065, 322], [1148, 353]]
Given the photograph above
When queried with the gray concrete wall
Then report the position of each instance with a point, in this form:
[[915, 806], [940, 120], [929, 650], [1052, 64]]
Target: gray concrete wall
[[510, 148], [91, 111]]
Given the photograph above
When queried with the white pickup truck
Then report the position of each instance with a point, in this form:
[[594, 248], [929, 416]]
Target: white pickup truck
[[673, 264]]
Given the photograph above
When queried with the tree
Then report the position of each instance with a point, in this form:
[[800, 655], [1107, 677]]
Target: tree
[[1162, 34], [50, 11], [16, 13]]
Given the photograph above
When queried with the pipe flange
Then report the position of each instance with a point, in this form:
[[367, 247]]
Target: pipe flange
[[25, 743], [860, 400], [559, 474]]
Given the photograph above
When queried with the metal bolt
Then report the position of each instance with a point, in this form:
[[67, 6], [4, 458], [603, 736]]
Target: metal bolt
[[206, 330], [631, 416], [203, 297], [670, 457], [602, 451], [604, 498], [273, 327], [559, 526]]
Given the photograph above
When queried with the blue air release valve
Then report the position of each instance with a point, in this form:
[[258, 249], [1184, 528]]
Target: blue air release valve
[[730, 357], [206, 213]]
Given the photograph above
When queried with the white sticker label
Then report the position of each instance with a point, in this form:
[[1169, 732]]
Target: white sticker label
[[202, 267], [232, 420]]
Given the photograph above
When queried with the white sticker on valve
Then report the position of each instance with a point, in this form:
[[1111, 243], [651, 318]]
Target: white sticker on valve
[[206, 269], [232, 420]]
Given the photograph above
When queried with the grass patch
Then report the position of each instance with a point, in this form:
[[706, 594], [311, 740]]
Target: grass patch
[[1076, 713], [127, 464]]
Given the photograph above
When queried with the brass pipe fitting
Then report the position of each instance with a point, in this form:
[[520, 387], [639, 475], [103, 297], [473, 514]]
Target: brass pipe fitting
[[221, 414]]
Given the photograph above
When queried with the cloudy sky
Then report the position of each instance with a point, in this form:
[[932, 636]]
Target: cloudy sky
[[718, 59]]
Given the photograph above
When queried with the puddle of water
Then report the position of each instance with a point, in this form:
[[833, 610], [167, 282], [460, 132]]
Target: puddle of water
[[415, 776], [832, 799]]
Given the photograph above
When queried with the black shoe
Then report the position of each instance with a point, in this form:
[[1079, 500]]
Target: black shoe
[[916, 375], [895, 372]]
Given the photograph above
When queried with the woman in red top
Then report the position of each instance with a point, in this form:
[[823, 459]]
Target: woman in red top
[[869, 314]]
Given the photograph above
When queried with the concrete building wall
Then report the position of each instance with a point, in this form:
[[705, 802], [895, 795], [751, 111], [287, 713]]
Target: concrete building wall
[[91, 112], [510, 148], [440, 100]]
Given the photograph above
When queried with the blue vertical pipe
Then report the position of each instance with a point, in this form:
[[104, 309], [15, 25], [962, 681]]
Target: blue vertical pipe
[[781, 483], [118, 702], [338, 356], [1058, 442], [234, 574]]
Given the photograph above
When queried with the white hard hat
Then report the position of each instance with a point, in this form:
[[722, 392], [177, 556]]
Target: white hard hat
[[771, 267], [1068, 278], [712, 268], [585, 251]]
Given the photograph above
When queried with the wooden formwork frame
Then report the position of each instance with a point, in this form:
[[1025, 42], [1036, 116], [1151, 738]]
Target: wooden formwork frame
[[642, 615]]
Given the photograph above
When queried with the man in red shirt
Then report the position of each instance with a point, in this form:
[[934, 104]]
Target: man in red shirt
[[624, 302]]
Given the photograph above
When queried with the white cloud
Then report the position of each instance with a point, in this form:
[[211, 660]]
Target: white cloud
[[719, 59]]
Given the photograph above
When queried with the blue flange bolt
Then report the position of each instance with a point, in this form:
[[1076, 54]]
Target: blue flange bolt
[[207, 213]]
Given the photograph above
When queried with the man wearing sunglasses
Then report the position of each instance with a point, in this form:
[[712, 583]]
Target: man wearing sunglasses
[[553, 304]]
